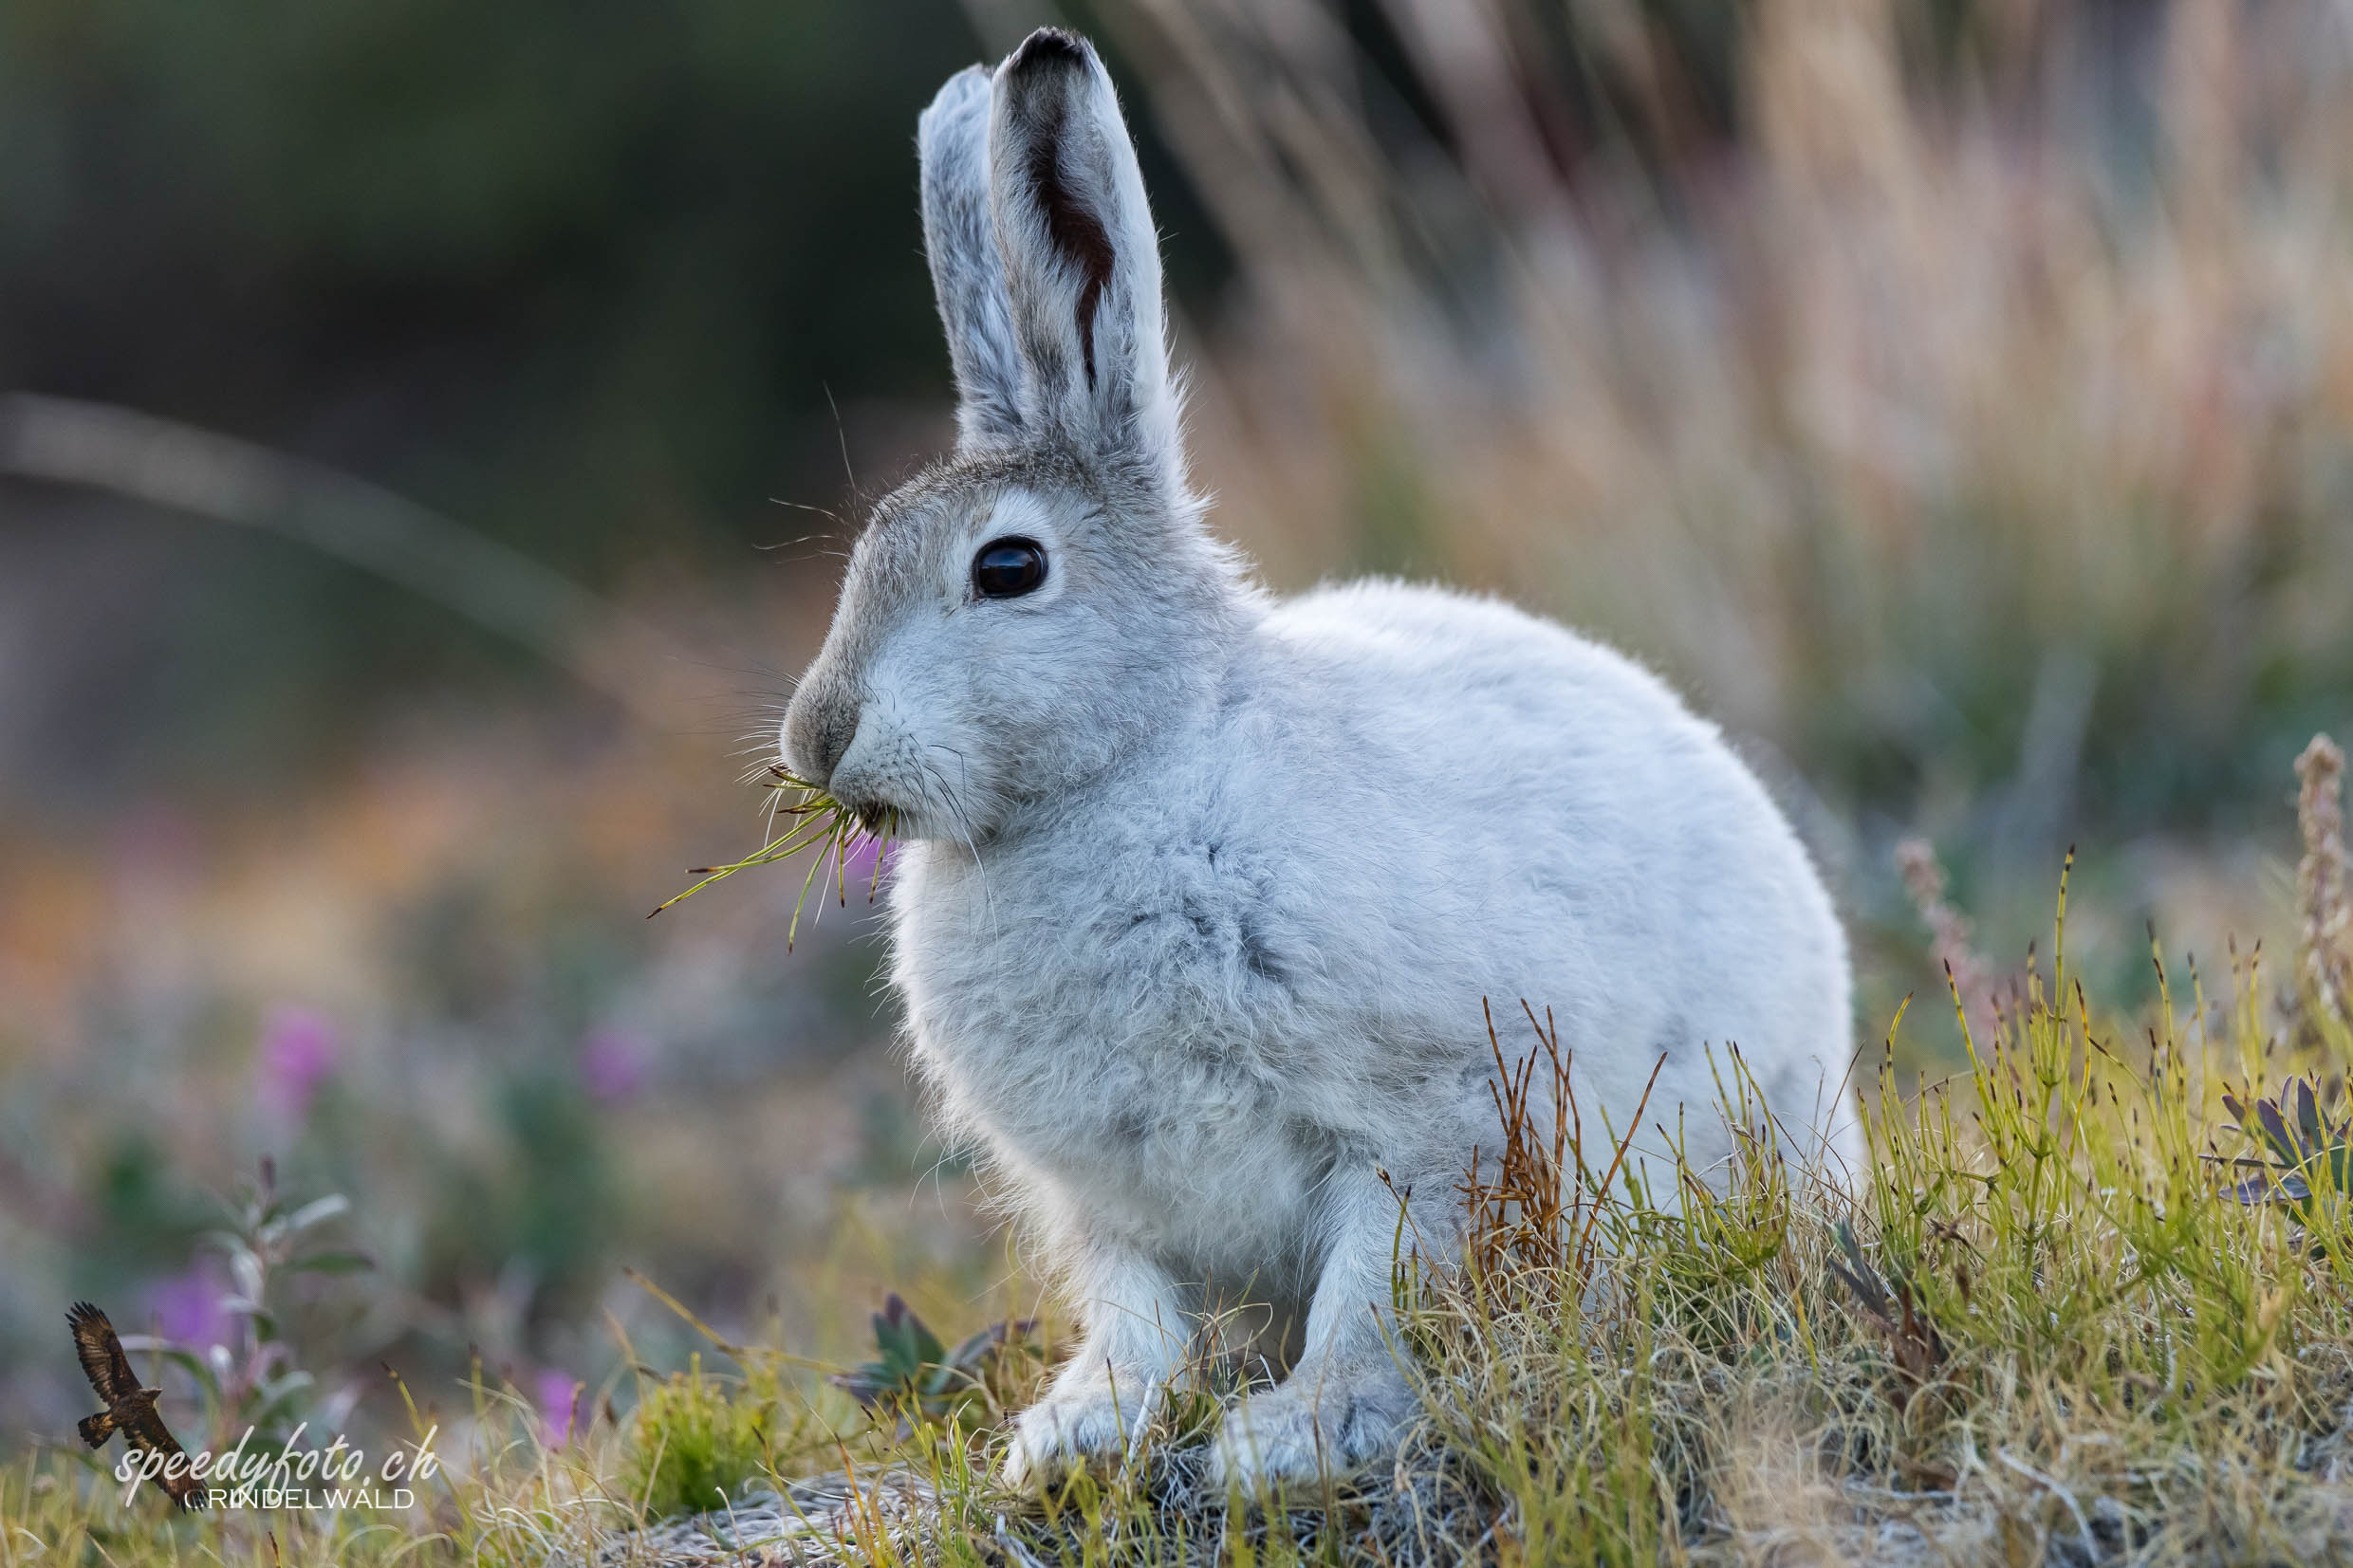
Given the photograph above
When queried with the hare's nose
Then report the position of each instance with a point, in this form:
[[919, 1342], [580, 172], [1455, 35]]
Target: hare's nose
[[818, 733]]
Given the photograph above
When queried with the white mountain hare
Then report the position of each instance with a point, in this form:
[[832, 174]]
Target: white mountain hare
[[1202, 889]]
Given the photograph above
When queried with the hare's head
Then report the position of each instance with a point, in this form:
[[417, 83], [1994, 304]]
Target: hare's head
[[1017, 618]]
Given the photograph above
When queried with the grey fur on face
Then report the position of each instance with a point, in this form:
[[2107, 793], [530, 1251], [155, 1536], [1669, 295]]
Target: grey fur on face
[[1205, 891]]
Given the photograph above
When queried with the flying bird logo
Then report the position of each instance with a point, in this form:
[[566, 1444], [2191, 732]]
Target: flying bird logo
[[130, 1409]]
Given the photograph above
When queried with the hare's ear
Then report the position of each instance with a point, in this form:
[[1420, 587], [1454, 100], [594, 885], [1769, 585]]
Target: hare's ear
[[1082, 261], [968, 275]]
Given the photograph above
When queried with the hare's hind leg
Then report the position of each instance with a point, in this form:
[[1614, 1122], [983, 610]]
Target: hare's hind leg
[[1348, 1396]]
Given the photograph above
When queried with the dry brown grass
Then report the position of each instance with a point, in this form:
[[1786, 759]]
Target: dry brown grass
[[1970, 416]]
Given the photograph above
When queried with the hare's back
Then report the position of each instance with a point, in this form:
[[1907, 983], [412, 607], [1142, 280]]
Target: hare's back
[[1475, 684], [1599, 846], [1577, 789]]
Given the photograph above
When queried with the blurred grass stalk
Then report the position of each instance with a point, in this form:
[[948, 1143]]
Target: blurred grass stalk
[[178, 467], [1962, 405]]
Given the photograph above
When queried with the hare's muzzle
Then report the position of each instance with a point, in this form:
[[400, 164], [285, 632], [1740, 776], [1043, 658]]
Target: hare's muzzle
[[818, 726]]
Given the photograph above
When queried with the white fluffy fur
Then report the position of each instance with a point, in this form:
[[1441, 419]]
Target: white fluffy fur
[[1204, 890]]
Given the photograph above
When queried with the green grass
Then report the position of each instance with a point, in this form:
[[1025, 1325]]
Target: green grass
[[2061, 1321], [818, 822]]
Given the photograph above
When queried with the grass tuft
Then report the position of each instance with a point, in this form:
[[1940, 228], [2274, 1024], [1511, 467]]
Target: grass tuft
[[697, 1441], [818, 822]]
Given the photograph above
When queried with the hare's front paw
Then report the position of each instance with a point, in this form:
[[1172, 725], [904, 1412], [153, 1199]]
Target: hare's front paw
[[1300, 1432], [1069, 1426]]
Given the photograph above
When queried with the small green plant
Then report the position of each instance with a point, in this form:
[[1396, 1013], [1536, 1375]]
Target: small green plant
[[695, 1438], [915, 1376], [817, 821], [251, 1380], [2310, 1151]]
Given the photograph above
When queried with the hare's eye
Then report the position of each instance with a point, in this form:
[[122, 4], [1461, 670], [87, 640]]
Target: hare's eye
[[1008, 568]]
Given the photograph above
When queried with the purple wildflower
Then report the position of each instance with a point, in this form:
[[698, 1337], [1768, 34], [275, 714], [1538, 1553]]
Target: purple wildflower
[[612, 1066], [298, 1053], [187, 1305], [559, 1395]]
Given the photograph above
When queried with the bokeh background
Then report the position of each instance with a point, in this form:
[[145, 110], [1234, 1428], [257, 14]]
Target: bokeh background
[[431, 432]]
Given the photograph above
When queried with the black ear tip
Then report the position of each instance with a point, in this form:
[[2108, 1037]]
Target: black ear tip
[[1050, 47]]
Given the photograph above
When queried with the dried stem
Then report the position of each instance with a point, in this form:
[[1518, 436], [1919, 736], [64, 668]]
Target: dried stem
[[1949, 931], [2326, 966]]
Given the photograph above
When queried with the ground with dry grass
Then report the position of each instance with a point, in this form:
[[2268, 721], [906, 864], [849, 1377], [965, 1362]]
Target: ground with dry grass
[[2091, 1306]]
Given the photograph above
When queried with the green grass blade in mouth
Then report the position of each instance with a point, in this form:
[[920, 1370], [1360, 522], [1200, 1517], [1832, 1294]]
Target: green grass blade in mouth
[[819, 822]]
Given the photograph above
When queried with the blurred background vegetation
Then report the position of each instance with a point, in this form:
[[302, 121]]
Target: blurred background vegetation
[[1956, 396]]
